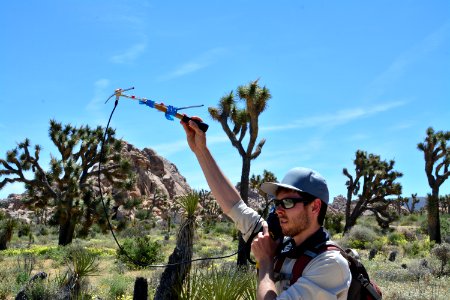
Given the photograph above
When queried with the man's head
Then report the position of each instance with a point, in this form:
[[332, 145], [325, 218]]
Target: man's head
[[305, 186]]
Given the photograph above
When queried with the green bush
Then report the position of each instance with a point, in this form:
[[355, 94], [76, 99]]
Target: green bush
[[139, 229], [41, 289], [419, 248], [24, 229], [42, 230], [410, 219], [139, 251], [334, 223], [24, 267], [117, 286], [397, 239], [445, 227], [360, 237], [224, 228], [442, 254], [142, 214]]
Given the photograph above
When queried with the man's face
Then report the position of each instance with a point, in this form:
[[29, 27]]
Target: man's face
[[293, 220]]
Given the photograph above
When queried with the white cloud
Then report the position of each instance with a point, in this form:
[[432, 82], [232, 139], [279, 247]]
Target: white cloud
[[202, 61], [130, 54], [100, 95], [332, 120]]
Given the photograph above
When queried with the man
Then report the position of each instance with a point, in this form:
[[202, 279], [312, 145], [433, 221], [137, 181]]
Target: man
[[301, 203]]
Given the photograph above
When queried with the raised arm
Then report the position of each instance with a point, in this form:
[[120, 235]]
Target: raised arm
[[224, 192]]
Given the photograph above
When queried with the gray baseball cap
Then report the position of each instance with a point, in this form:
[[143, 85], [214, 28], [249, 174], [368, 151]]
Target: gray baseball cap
[[301, 180]]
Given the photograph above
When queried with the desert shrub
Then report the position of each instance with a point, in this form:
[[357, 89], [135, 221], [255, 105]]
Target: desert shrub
[[6, 283], [24, 229], [57, 254], [418, 248], [42, 230], [139, 229], [117, 286], [408, 220], [442, 254], [445, 227], [224, 228], [42, 289], [368, 222], [409, 234], [142, 214], [333, 223], [359, 237], [139, 251], [24, 266], [396, 239], [379, 243]]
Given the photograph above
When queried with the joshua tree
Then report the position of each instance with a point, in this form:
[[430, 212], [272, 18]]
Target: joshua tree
[[377, 178], [70, 183], [210, 210], [414, 200], [179, 261], [437, 160], [236, 122]]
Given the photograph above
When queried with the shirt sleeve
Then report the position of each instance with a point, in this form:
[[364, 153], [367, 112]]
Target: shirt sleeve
[[326, 277], [247, 220]]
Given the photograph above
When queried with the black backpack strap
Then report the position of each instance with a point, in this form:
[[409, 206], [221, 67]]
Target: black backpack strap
[[358, 269], [304, 259]]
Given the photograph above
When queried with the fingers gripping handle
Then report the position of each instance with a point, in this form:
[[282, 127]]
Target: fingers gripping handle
[[203, 126]]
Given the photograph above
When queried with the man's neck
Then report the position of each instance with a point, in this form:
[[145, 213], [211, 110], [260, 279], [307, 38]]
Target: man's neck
[[302, 236]]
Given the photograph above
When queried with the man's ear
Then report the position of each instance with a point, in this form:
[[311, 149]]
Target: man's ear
[[316, 205]]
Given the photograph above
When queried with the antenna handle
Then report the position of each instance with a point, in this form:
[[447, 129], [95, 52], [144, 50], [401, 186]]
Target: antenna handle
[[203, 126]]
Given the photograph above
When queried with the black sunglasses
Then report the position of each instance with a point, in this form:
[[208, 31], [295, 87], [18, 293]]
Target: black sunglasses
[[287, 203]]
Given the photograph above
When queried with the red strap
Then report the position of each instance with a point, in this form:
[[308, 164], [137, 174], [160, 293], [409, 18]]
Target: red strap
[[303, 261], [299, 266]]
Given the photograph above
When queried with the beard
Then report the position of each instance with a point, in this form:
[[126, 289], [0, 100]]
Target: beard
[[292, 226]]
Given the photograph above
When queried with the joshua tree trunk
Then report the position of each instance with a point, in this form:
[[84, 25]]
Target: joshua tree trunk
[[179, 264], [245, 175], [434, 224], [66, 230]]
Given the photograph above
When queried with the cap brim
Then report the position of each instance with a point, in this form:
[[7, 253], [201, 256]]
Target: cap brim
[[272, 187]]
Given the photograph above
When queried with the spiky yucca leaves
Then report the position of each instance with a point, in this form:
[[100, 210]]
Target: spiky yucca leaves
[[7, 226], [69, 184], [81, 264], [179, 264], [375, 178], [437, 160], [220, 284]]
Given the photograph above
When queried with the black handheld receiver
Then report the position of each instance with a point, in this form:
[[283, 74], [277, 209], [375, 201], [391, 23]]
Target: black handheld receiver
[[275, 232], [273, 223]]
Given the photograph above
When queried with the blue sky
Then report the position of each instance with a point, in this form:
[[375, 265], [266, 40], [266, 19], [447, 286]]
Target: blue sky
[[344, 75]]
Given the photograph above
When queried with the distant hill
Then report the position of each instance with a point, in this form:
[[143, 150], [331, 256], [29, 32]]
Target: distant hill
[[419, 205], [338, 203]]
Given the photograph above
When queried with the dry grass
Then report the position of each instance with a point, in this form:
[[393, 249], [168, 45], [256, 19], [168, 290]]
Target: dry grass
[[397, 282]]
